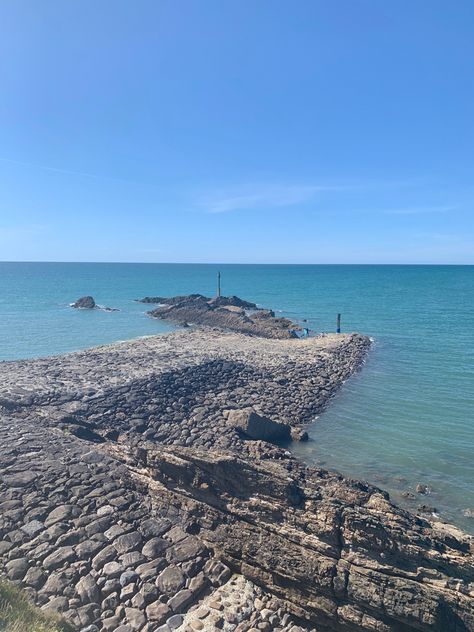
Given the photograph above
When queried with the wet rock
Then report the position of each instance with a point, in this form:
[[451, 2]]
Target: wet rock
[[298, 434], [422, 489]]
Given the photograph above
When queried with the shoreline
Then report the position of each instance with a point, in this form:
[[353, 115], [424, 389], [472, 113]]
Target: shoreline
[[146, 422]]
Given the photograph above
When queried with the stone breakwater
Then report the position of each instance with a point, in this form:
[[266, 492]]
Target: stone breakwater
[[176, 389], [128, 502]]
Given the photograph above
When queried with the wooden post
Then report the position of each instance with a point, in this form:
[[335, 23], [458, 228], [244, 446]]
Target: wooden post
[[338, 326], [218, 284]]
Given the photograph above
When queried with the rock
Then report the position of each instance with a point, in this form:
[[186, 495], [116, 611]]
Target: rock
[[87, 590], [175, 621], [170, 580], [468, 513], [158, 612], [180, 601], [135, 618], [154, 548], [422, 489], [16, 569], [113, 569], [34, 577], [59, 514], [33, 528], [57, 604], [298, 434], [128, 577], [128, 542], [59, 557], [107, 554], [85, 302], [188, 548], [255, 426]]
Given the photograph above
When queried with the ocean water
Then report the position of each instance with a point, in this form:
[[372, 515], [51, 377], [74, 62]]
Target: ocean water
[[406, 418]]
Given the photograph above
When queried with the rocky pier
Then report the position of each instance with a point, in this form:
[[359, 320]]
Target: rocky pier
[[144, 486]]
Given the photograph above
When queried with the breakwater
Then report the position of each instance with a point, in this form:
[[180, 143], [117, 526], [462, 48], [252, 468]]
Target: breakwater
[[129, 502]]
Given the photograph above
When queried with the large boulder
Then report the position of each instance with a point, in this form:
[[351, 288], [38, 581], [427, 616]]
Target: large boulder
[[255, 426], [85, 302]]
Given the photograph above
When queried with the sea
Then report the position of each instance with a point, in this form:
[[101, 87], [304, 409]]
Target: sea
[[406, 418]]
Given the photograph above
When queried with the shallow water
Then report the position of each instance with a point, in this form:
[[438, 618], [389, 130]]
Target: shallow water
[[406, 418]]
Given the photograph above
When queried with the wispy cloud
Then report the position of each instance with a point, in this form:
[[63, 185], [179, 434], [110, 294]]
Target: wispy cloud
[[269, 196], [259, 198]]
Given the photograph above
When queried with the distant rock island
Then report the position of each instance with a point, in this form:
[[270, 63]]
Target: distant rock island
[[224, 312], [88, 302]]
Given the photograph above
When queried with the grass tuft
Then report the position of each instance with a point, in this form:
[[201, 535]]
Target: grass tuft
[[18, 614]]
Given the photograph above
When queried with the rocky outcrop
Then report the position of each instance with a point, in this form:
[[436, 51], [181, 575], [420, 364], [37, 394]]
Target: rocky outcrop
[[224, 312], [85, 302], [337, 552], [254, 426]]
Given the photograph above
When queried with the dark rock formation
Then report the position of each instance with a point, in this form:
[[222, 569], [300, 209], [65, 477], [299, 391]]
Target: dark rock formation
[[255, 426], [85, 302], [224, 312]]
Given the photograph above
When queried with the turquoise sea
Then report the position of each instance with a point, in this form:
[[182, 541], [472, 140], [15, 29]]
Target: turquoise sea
[[406, 418]]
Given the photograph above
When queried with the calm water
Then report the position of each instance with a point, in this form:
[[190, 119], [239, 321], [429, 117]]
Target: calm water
[[408, 417]]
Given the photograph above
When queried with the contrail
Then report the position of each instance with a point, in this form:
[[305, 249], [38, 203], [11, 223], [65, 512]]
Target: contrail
[[83, 174]]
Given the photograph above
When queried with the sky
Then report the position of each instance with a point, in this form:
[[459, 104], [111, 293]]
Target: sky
[[240, 131]]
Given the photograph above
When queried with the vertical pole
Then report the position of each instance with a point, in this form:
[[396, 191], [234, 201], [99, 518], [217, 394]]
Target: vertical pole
[[218, 284], [338, 326]]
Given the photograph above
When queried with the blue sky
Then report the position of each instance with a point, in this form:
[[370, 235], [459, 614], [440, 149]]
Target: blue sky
[[237, 131]]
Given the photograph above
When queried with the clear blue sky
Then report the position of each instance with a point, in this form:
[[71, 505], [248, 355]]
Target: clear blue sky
[[330, 131]]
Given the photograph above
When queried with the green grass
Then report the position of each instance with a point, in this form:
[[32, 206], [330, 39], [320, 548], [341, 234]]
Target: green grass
[[18, 614]]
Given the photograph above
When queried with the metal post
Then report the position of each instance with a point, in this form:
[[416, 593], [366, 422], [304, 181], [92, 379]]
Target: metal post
[[338, 326], [218, 284]]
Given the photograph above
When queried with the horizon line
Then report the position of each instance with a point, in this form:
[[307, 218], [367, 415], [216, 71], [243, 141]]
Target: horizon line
[[203, 263]]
